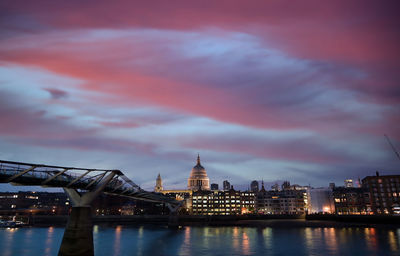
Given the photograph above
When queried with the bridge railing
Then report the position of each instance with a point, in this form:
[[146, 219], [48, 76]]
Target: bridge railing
[[76, 178]]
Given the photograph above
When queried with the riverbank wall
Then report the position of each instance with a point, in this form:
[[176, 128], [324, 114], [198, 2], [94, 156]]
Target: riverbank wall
[[247, 220], [160, 219], [376, 219]]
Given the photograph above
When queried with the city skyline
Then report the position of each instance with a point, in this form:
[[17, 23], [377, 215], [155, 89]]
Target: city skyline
[[261, 90]]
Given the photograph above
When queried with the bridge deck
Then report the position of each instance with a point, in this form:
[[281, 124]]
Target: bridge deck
[[27, 174]]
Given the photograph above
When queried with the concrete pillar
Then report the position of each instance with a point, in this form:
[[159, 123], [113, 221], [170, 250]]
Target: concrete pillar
[[173, 220], [78, 235]]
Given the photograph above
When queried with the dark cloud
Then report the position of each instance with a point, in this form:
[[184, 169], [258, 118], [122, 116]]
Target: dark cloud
[[57, 93]]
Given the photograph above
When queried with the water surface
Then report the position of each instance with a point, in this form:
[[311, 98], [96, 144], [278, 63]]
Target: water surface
[[146, 240]]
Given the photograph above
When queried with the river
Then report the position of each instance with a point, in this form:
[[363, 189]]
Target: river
[[150, 240]]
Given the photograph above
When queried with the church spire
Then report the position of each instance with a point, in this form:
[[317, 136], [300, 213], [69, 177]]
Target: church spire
[[262, 186], [158, 187]]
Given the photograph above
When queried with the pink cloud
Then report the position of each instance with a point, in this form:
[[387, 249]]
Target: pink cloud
[[328, 68], [121, 75], [26, 126]]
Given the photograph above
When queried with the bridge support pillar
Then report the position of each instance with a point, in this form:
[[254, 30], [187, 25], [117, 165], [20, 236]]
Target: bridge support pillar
[[173, 220], [78, 235]]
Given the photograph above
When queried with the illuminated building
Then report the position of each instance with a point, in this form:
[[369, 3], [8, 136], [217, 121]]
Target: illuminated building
[[158, 187], [229, 202], [348, 183], [320, 200], [352, 200], [198, 179], [34, 202], [247, 202], [281, 202], [385, 193]]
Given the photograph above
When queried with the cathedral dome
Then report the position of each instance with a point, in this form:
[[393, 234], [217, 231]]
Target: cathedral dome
[[198, 171], [198, 179]]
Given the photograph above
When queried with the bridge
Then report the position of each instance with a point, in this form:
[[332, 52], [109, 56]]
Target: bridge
[[82, 185]]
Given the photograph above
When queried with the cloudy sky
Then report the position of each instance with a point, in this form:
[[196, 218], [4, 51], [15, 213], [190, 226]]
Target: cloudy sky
[[274, 90]]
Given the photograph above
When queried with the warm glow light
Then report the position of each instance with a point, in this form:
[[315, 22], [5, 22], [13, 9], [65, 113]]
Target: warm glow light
[[327, 209]]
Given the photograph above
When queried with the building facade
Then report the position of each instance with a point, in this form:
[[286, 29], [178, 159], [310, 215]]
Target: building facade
[[385, 193], [281, 202], [320, 200], [352, 201], [229, 202]]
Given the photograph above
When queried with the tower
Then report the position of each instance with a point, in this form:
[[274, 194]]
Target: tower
[[158, 187]]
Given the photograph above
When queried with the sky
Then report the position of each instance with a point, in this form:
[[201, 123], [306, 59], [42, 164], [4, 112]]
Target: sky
[[263, 90]]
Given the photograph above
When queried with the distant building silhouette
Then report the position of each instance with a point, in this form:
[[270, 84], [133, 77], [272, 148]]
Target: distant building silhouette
[[214, 186], [275, 187], [226, 185], [349, 183], [254, 186], [285, 185]]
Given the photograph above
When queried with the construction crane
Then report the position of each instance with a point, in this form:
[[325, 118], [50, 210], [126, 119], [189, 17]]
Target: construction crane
[[394, 149]]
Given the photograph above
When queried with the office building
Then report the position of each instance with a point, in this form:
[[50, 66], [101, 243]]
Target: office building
[[229, 202]]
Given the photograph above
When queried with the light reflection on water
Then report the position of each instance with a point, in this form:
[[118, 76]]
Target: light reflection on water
[[117, 240], [330, 240], [146, 240], [245, 244], [48, 240]]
